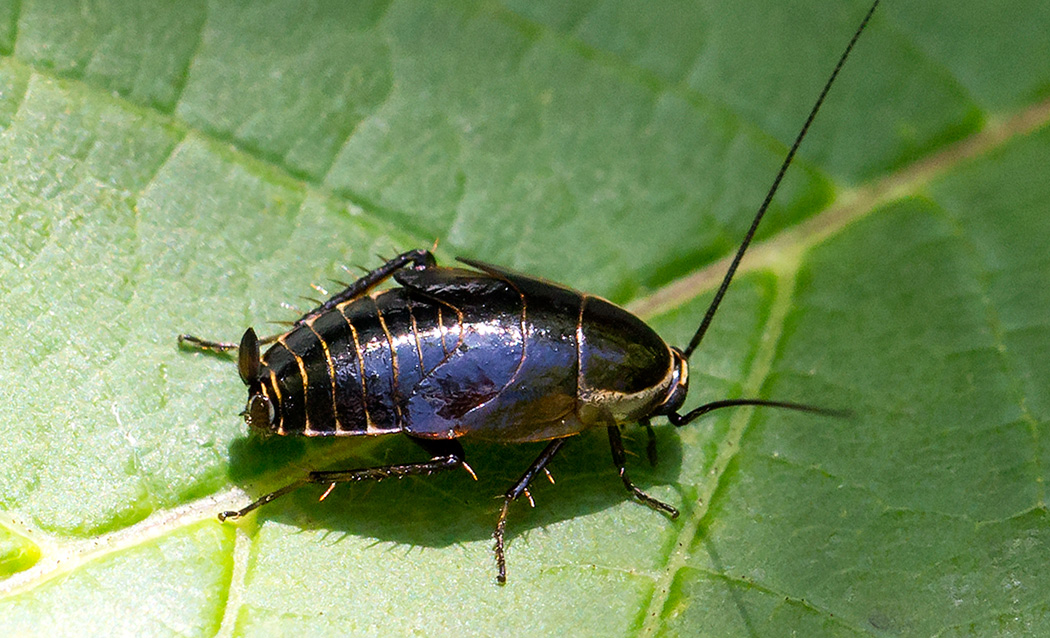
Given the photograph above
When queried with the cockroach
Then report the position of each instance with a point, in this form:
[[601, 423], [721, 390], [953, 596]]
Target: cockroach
[[476, 352]]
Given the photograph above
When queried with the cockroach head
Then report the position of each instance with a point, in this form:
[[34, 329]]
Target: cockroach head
[[679, 384]]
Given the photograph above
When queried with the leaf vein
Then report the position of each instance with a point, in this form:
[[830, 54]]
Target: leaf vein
[[727, 450], [184, 77]]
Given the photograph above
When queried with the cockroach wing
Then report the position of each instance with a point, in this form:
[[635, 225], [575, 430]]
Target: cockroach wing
[[513, 377]]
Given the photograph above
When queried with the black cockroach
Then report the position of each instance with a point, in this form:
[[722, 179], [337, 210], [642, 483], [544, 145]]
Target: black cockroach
[[481, 353]]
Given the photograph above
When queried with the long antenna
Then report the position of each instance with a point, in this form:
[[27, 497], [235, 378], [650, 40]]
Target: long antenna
[[695, 341]]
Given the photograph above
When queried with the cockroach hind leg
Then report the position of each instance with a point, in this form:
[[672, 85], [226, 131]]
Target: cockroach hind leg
[[445, 455], [412, 259], [197, 343]]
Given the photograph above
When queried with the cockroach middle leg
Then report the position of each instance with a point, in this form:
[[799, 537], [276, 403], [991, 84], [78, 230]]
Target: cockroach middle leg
[[445, 455], [512, 495]]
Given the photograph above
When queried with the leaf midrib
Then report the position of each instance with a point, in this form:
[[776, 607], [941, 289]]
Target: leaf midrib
[[728, 447], [851, 206]]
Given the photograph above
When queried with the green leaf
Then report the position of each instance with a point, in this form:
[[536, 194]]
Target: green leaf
[[190, 167]]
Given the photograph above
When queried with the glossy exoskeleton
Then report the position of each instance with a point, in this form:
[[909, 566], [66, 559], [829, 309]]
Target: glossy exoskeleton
[[474, 353]]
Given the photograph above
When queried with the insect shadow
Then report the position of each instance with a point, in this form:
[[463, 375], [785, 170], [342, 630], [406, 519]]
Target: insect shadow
[[447, 508]]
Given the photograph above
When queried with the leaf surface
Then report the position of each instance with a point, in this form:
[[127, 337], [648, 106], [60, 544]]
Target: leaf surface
[[190, 168]]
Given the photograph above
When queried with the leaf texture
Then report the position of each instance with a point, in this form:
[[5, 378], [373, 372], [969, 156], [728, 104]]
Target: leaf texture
[[192, 166]]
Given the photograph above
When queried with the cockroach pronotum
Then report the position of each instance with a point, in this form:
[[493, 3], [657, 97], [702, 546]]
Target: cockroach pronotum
[[476, 353]]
